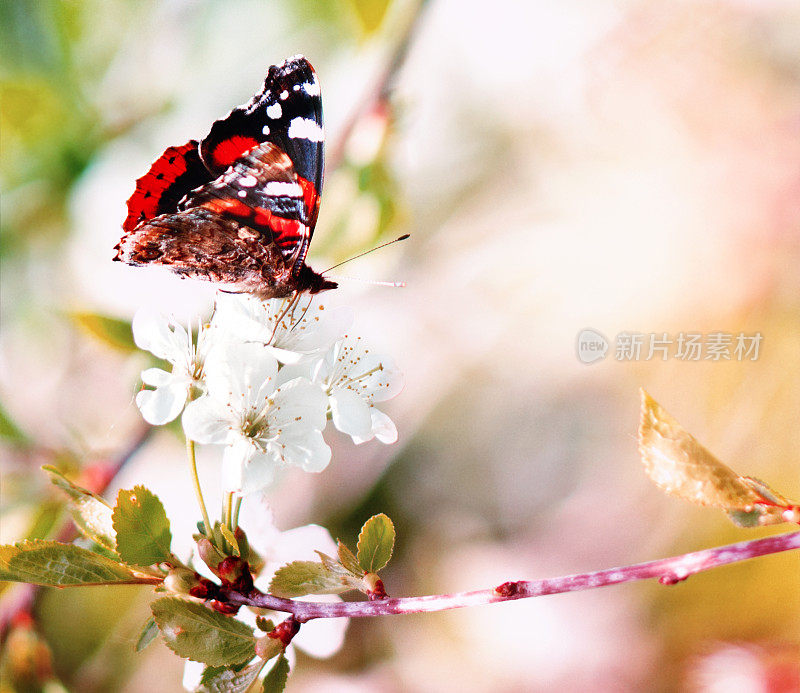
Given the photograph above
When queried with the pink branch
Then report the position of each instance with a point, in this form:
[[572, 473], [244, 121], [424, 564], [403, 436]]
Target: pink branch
[[667, 570]]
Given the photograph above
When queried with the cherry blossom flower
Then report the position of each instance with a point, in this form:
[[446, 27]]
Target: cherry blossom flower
[[167, 339], [293, 328], [265, 428], [354, 378], [320, 638]]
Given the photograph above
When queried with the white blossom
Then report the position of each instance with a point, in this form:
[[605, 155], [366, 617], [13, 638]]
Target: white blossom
[[293, 328], [167, 339], [354, 378], [264, 427]]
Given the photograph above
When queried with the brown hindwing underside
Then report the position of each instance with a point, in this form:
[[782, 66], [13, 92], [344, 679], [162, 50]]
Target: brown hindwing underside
[[201, 244]]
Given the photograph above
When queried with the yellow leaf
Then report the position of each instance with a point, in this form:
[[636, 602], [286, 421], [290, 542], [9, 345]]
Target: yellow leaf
[[679, 465]]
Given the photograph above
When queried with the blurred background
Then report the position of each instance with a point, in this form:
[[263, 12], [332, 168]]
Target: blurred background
[[624, 166]]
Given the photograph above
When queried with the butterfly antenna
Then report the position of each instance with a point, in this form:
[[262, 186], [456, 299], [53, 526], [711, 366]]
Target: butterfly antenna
[[396, 285], [367, 252]]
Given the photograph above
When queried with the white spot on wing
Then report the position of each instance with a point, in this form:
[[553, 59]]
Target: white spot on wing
[[296, 87], [282, 188], [247, 181], [242, 193], [306, 129], [312, 88], [265, 129], [274, 111], [284, 95]]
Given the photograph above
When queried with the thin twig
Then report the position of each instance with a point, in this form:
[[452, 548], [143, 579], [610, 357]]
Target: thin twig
[[666, 570], [381, 89]]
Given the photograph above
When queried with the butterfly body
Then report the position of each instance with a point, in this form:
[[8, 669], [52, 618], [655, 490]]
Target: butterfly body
[[239, 207]]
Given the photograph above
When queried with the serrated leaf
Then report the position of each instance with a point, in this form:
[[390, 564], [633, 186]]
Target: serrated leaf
[[679, 465], [62, 565], [149, 632], [348, 560], [90, 513], [305, 577], [276, 678], [142, 527], [195, 632], [111, 331], [225, 680], [375, 543]]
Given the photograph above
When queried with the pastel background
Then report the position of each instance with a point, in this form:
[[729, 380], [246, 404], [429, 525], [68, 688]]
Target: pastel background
[[625, 166]]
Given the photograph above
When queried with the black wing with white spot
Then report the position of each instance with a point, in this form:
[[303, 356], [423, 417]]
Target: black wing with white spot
[[286, 112]]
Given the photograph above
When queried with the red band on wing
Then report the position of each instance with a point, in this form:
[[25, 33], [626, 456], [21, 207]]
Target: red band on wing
[[231, 149], [285, 232]]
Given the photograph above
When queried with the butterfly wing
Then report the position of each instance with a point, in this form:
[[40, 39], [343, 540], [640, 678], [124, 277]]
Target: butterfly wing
[[177, 171], [250, 227], [287, 112], [202, 244], [262, 191]]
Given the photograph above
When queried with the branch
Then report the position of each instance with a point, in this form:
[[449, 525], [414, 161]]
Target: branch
[[668, 571], [381, 89]]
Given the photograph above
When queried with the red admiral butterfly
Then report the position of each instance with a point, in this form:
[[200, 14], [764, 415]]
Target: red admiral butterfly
[[239, 207]]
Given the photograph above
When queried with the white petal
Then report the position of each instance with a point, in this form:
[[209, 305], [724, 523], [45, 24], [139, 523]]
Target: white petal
[[319, 328], [321, 637], [156, 377], [304, 448], [350, 413], [163, 404], [205, 421], [296, 370], [241, 374], [300, 544], [383, 427], [298, 403], [284, 355], [151, 332], [192, 673], [234, 460], [259, 473]]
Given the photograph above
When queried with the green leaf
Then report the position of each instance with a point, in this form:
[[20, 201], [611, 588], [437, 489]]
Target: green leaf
[[225, 680], [305, 577], [91, 514], [375, 543], [195, 632], [275, 680], [149, 632], [231, 539], [264, 624], [143, 536], [111, 331], [348, 560], [62, 565]]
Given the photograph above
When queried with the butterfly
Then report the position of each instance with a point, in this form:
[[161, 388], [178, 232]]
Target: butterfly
[[239, 207]]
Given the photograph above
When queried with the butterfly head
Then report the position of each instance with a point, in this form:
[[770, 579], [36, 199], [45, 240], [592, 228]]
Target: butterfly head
[[310, 281]]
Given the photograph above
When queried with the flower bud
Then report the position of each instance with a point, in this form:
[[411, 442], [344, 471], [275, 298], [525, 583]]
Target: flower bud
[[374, 587], [181, 580], [208, 553]]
